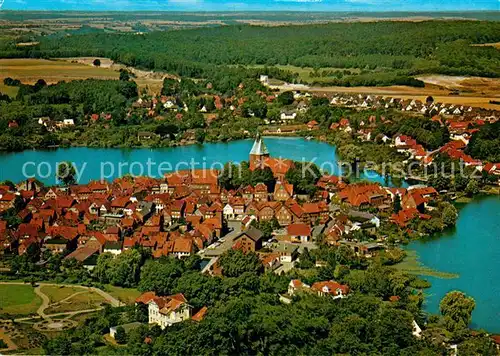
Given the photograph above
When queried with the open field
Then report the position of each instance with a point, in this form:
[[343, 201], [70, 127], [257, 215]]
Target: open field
[[18, 300], [29, 71], [496, 45], [125, 295]]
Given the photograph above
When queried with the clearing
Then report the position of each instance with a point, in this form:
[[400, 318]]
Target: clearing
[[18, 300]]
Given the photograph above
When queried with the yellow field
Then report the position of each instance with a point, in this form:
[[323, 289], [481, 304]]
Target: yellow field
[[29, 71]]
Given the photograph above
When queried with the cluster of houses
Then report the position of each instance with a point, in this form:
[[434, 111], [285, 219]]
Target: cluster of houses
[[188, 210], [429, 107], [460, 134]]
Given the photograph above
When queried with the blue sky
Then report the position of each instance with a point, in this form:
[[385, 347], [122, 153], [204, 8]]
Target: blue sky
[[254, 5]]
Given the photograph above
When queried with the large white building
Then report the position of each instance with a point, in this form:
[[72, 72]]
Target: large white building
[[165, 311]]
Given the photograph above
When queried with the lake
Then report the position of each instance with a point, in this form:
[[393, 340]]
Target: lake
[[471, 250], [111, 163]]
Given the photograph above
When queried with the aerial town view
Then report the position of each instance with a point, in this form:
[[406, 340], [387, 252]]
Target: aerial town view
[[266, 177]]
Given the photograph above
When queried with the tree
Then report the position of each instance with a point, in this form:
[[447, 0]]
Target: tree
[[58, 346], [124, 75], [351, 154], [303, 176], [97, 62], [472, 188], [161, 276], [121, 335], [397, 204], [449, 215], [66, 173], [234, 263], [286, 98], [199, 135], [457, 308]]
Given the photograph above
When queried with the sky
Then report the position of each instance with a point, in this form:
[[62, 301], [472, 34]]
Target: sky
[[252, 5]]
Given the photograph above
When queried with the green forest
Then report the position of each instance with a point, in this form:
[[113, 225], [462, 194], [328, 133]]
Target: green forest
[[388, 52]]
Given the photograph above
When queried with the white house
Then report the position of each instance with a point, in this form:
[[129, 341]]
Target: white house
[[166, 311], [114, 248], [288, 115], [228, 212], [68, 122]]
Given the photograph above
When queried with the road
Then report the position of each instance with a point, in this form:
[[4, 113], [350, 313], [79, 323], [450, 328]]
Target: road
[[223, 247]]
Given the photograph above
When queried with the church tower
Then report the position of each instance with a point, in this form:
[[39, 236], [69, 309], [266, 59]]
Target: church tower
[[258, 154]]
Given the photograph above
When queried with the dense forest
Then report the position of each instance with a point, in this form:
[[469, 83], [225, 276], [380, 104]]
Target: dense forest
[[403, 49]]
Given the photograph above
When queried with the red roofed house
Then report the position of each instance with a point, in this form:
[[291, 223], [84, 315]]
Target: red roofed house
[[166, 311], [299, 232], [334, 289], [296, 285], [283, 191]]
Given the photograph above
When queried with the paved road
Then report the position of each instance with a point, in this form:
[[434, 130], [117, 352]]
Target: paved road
[[223, 247]]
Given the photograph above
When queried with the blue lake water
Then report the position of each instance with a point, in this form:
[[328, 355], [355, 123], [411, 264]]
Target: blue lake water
[[471, 250], [110, 163]]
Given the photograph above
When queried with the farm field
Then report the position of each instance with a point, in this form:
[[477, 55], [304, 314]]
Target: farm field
[[28, 71], [52, 71], [18, 300]]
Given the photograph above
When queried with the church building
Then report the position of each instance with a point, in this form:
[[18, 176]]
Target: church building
[[260, 159]]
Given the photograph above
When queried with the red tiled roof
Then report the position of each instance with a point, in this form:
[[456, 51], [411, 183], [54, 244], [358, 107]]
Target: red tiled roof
[[299, 230]]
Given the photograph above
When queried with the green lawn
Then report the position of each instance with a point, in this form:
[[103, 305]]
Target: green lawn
[[58, 293], [125, 295], [82, 301], [18, 300]]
